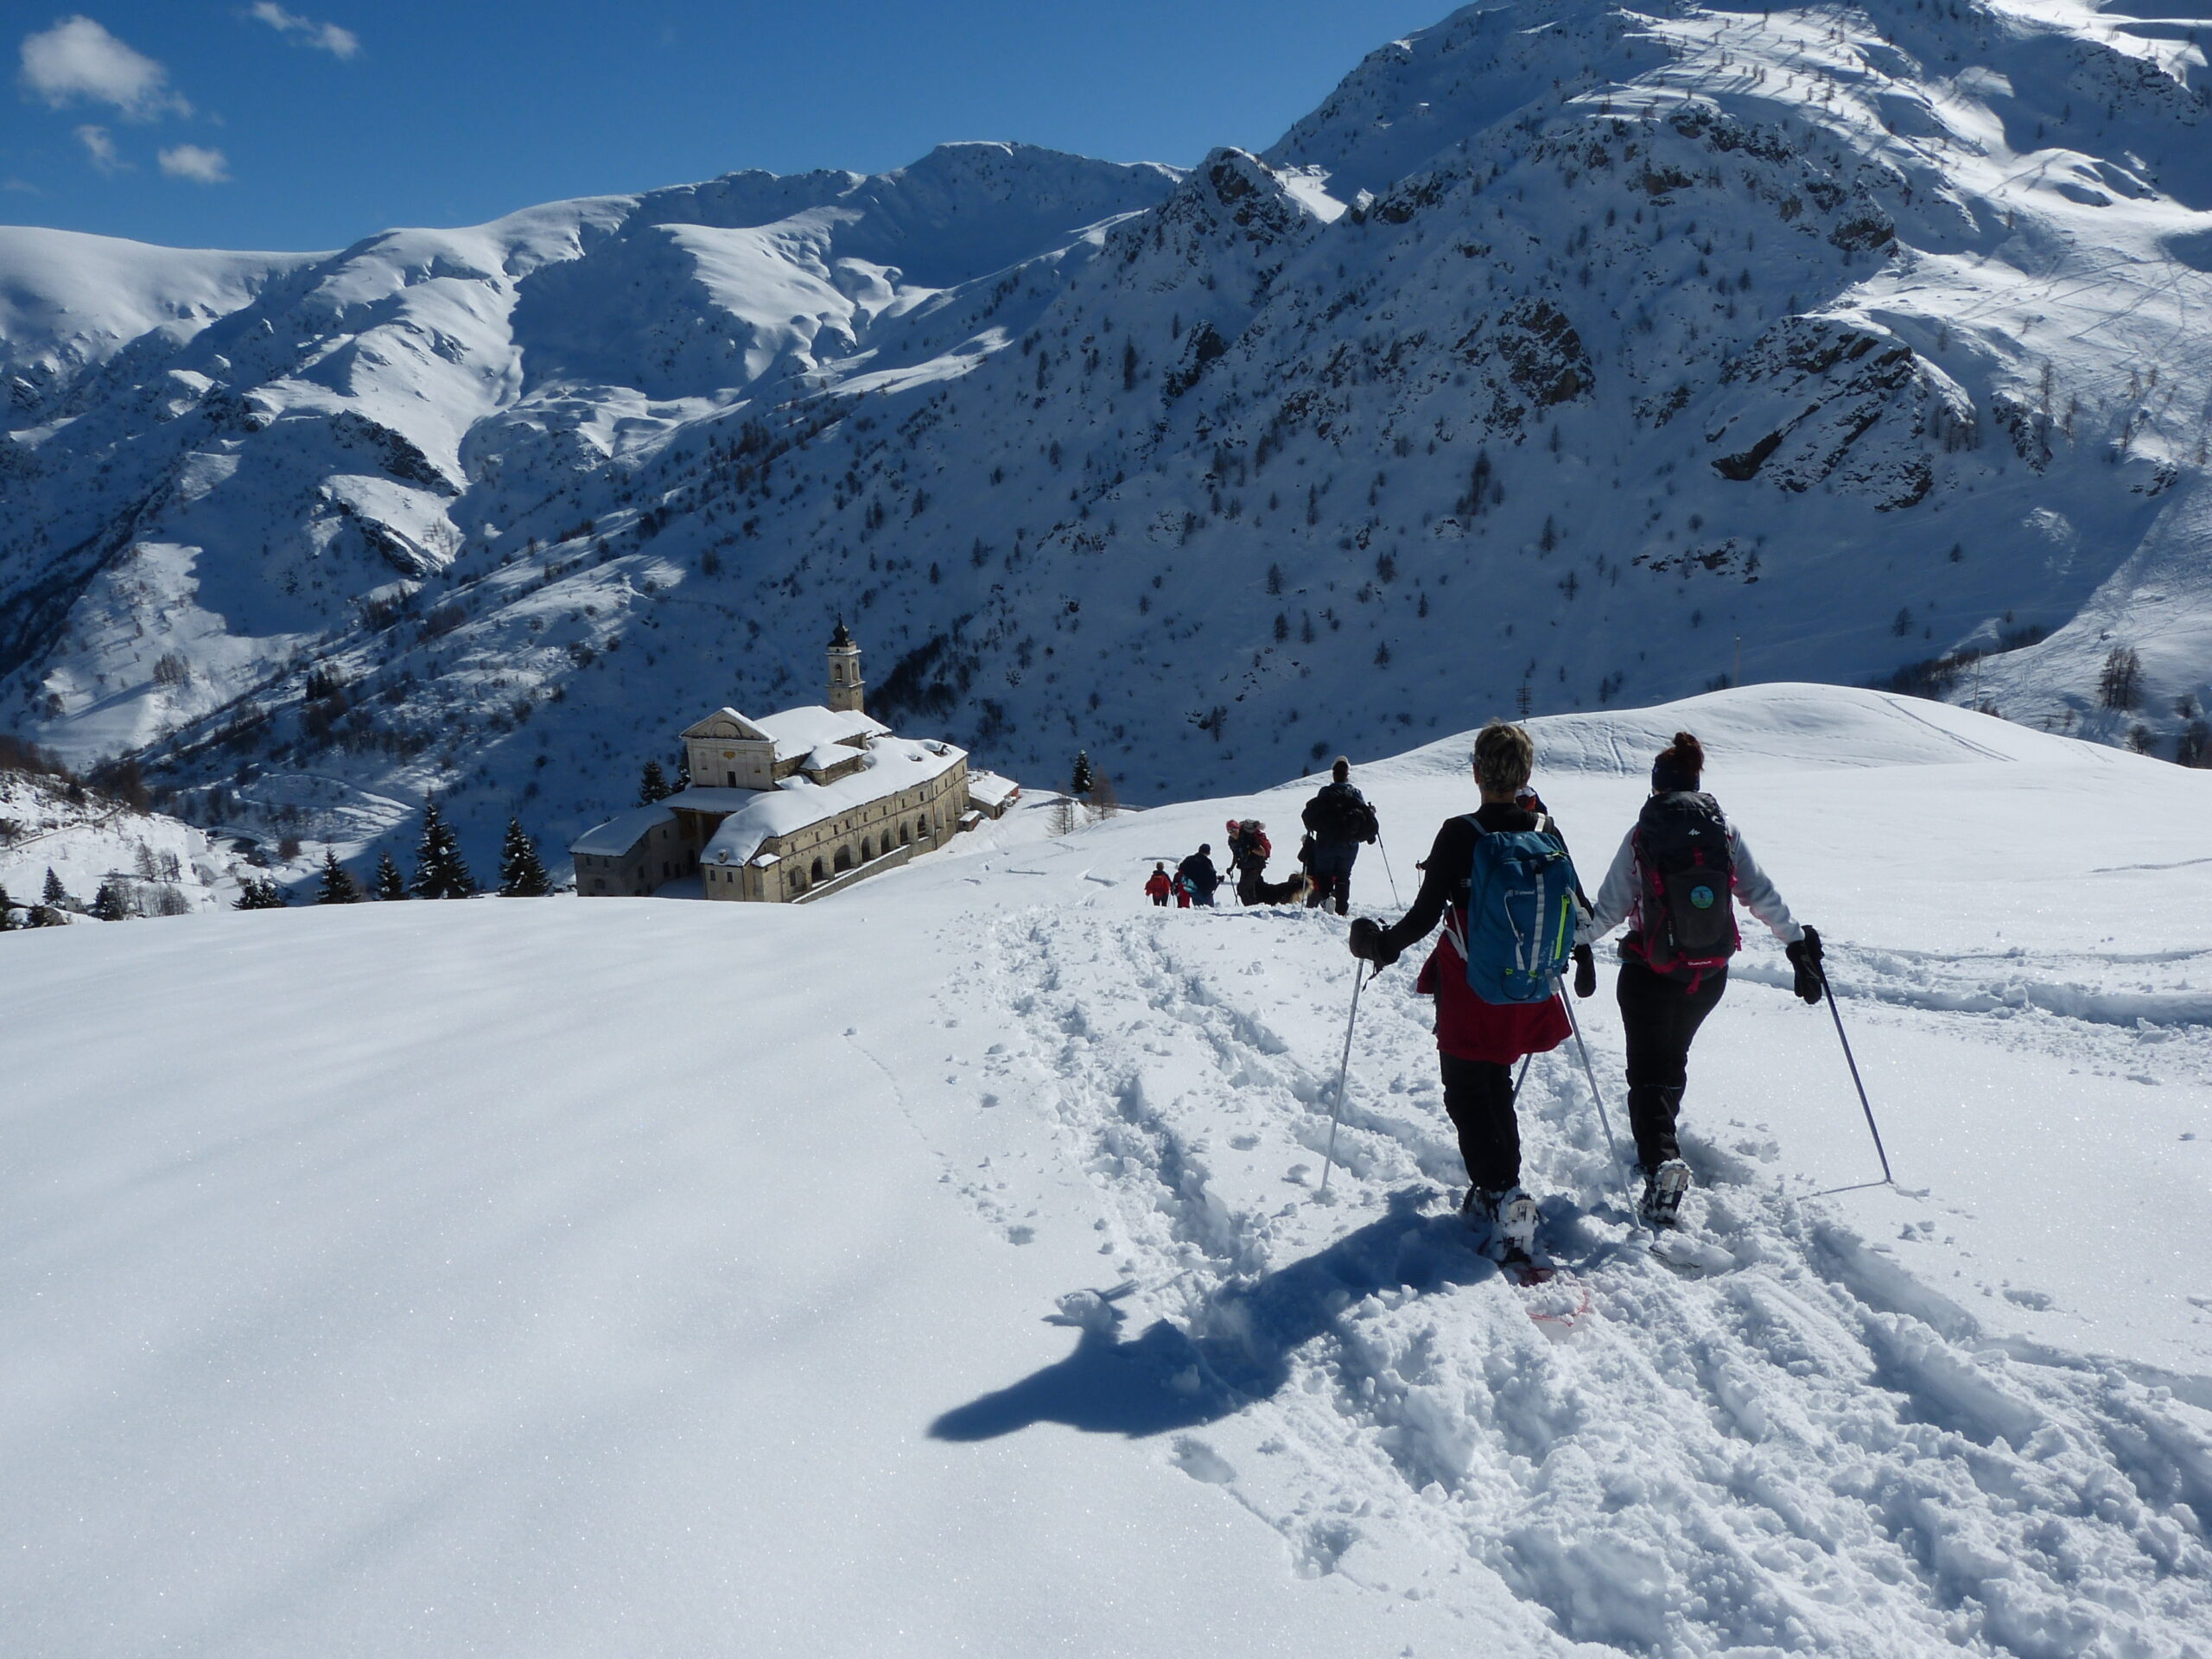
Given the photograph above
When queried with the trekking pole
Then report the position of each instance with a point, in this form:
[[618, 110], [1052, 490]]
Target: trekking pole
[[1612, 1146], [1385, 851], [1343, 1069], [1848, 1059]]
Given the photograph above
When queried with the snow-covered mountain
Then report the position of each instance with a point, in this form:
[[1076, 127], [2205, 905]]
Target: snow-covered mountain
[[156, 865], [1567, 354], [549, 1278]]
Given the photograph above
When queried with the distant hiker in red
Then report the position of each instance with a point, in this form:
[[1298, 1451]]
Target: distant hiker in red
[[1159, 885], [1476, 1041]]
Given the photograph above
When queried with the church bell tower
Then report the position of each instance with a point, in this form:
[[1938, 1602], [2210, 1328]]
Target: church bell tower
[[845, 681]]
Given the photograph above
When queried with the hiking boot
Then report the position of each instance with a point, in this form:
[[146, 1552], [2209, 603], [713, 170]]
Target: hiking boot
[[1508, 1212], [1663, 1188]]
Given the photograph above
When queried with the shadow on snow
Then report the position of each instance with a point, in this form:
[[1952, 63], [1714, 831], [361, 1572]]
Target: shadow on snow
[[1235, 1350]]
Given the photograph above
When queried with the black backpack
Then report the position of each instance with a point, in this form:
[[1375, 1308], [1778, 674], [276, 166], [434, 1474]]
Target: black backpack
[[1688, 883], [1340, 812]]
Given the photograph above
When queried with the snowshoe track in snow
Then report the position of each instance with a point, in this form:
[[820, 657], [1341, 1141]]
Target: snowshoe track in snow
[[1801, 1449]]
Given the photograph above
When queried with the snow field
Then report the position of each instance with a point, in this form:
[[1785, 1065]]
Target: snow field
[[623, 1275]]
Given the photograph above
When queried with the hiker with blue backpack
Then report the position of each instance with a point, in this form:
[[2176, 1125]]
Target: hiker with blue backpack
[[1501, 883], [1673, 882]]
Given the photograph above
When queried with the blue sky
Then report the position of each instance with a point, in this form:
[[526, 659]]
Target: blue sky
[[250, 124]]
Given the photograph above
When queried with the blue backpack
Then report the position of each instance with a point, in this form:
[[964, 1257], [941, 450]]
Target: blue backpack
[[1519, 913]]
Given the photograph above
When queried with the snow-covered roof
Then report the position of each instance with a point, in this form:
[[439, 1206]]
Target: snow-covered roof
[[828, 756], [798, 731], [988, 789], [619, 835], [893, 764]]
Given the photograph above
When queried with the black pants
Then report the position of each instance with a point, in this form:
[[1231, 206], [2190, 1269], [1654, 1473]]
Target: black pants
[[1661, 1017], [1479, 1096], [1329, 871]]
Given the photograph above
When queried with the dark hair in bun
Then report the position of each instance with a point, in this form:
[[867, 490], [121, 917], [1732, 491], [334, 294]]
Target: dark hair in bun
[[1679, 766]]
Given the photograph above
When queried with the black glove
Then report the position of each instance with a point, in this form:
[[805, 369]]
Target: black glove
[[1805, 957], [1585, 971], [1368, 943]]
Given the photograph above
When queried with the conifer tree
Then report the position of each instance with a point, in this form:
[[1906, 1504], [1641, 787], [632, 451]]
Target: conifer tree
[[259, 895], [339, 887], [683, 773], [439, 871], [652, 785], [108, 904], [522, 873], [7, 912], [1079, 782], [56, 895], [388, 883]]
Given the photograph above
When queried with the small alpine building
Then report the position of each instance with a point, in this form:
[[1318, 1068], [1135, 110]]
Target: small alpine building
[[790, 806]]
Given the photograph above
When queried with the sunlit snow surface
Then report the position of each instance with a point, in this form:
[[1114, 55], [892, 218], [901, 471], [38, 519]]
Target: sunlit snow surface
[[645, 1277]]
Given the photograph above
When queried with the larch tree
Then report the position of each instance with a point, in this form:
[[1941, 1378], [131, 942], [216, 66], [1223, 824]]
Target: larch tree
[[388, 883], [522, 873], [339, 887], [439, 871]]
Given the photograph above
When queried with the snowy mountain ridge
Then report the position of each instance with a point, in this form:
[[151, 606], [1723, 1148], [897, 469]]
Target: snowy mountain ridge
[[1565, 355]]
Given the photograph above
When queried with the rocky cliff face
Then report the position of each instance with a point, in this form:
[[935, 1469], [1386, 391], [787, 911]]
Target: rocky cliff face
[[1566, 355]]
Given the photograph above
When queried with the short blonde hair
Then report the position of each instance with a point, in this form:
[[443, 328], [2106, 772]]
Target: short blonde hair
[[1504, 756]]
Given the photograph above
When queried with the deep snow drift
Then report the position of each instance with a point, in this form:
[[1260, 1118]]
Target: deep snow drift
[[579, 1277], [1569, 351]]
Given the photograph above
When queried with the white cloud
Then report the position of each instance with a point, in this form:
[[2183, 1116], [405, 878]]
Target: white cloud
[[101, 147], [77, 59], [200, 166], [324, 37]]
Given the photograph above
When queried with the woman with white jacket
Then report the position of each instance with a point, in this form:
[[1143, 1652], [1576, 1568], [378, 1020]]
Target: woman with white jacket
[[1672, 882]]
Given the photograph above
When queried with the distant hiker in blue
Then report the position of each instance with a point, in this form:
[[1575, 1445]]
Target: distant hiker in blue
[[1339, 821], [1198, 876]]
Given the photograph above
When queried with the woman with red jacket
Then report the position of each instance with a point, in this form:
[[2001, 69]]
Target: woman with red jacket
[[1477, 1042]]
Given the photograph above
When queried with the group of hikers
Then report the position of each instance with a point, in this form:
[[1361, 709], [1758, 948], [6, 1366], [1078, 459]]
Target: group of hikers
[[1339, 821], [1515, 917]]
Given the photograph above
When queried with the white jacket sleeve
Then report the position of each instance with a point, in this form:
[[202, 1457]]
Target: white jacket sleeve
[[1616, 902], [1757, 892]]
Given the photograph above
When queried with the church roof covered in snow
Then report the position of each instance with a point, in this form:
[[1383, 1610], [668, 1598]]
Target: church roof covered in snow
[[893, 764], [619, 835], [795, 731]]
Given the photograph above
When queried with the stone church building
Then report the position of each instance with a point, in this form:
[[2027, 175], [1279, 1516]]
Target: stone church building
[[792, 806]]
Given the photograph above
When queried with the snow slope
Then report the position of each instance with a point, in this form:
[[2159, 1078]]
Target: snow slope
[[440, 1278], [161, 863], [1568, 353]]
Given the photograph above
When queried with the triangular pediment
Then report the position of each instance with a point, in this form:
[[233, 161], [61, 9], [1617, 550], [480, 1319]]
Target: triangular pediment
[[729, 726]]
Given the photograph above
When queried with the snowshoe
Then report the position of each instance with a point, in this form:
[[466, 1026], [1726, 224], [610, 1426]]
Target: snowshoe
[[1510, 1214], [1663, 1189]]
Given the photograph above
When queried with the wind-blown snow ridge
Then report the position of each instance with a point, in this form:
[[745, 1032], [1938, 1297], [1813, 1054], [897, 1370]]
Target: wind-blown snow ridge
[[1567, 355]]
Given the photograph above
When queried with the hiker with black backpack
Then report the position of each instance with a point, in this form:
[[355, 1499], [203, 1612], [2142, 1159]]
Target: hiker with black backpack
[[1501, 881], [1339, 821], [1673, 882]]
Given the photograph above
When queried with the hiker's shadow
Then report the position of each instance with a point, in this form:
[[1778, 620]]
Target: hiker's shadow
[[1237, 1348]]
